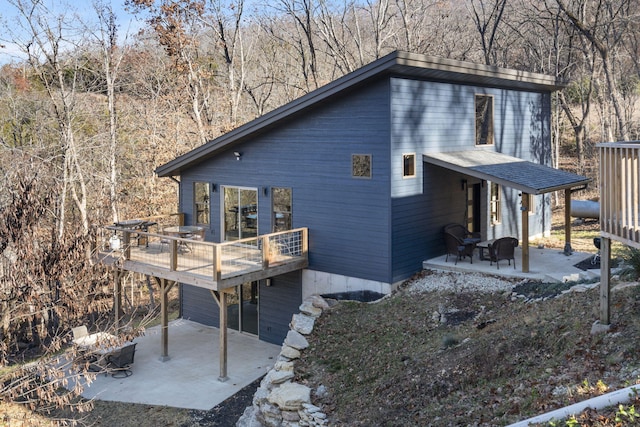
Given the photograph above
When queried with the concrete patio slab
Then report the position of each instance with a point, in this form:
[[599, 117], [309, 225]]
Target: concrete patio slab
[[546, 264], [189, 379]]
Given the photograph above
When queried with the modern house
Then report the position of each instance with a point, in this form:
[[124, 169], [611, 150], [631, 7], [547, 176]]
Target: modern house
[[374, 165]]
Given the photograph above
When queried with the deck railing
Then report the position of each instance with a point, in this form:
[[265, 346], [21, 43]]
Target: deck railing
[[619, 191], [211, 265]]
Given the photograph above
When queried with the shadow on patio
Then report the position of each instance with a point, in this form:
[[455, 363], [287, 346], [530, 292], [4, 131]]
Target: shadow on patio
[[189, 379]]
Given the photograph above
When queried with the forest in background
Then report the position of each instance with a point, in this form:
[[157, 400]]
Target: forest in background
[[89, 107]]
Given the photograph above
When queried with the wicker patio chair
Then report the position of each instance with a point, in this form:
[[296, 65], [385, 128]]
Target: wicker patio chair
[[460, 242], [503, 248]]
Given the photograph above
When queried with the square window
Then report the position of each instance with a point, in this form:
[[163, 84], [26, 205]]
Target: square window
[[408, 165], [361, 165], [484, 120]]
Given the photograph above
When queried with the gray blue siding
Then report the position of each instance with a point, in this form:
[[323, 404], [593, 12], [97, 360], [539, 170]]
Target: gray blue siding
[[348, 218], [433, 117], [278, 303], [199, 306]]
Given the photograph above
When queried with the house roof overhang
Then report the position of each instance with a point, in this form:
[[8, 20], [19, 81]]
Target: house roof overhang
[[398, 64], [513, 172]]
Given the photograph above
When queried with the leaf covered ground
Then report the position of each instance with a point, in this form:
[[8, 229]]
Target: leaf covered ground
[[470, 358]]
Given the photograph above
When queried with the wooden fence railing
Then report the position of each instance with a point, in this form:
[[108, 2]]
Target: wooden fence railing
[[620, 191]]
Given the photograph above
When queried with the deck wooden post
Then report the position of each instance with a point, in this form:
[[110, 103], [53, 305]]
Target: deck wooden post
[[217, 263], [126, 244], [266, 251], [164, 320], [173, 260], [117, 296], [223, 336], [525, 232], [567, 222], [605, 276]]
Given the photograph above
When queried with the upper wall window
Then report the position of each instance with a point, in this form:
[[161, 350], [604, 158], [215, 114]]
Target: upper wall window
[[201, 197], [408, 165], [281, 208], [361, 165], [484, 119]]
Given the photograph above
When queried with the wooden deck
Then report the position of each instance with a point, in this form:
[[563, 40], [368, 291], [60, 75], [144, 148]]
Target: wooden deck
[[620, 192], [214, 266], [619, 209]]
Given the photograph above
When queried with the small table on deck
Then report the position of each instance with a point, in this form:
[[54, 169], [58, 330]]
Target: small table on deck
[[482, 246], [136, 224], [184, 232]]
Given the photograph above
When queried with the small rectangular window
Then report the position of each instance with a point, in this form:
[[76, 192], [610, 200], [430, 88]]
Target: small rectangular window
[[361, 165], [484, 120], [201, 197], [281, 199], [408, 165], [495, 203]]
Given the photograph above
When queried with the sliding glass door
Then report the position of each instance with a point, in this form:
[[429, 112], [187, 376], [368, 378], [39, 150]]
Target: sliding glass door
[[240, 214], [243, 309]]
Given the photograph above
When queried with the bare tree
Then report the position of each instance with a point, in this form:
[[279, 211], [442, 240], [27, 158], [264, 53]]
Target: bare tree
[[487, 17], [227, 25], [302, 14], [603, 24], [339, 29], [107, 39], [46, 47], [177, 24], [43, 278]]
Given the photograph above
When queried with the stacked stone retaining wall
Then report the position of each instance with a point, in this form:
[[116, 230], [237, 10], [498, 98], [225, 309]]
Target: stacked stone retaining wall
[[279, 401]]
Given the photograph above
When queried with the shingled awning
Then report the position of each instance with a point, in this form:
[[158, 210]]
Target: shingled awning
[[528, 177], [525, 176]]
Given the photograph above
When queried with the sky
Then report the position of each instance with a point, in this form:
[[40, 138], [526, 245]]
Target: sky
[[9, 28]]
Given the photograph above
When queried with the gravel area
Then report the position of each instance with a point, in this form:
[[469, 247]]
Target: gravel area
[[455, 282]]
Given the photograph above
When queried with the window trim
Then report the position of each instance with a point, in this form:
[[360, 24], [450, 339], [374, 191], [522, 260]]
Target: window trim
[[491, 137], [353, 157], [405, 175]]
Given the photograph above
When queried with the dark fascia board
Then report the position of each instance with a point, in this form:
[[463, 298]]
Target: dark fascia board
[[398, 63]]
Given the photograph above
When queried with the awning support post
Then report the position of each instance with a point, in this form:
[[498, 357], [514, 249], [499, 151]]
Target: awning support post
[[525, 232], [567, 222]]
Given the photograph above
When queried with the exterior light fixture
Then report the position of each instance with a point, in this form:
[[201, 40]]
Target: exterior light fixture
[[237, 154], [114, 242]]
